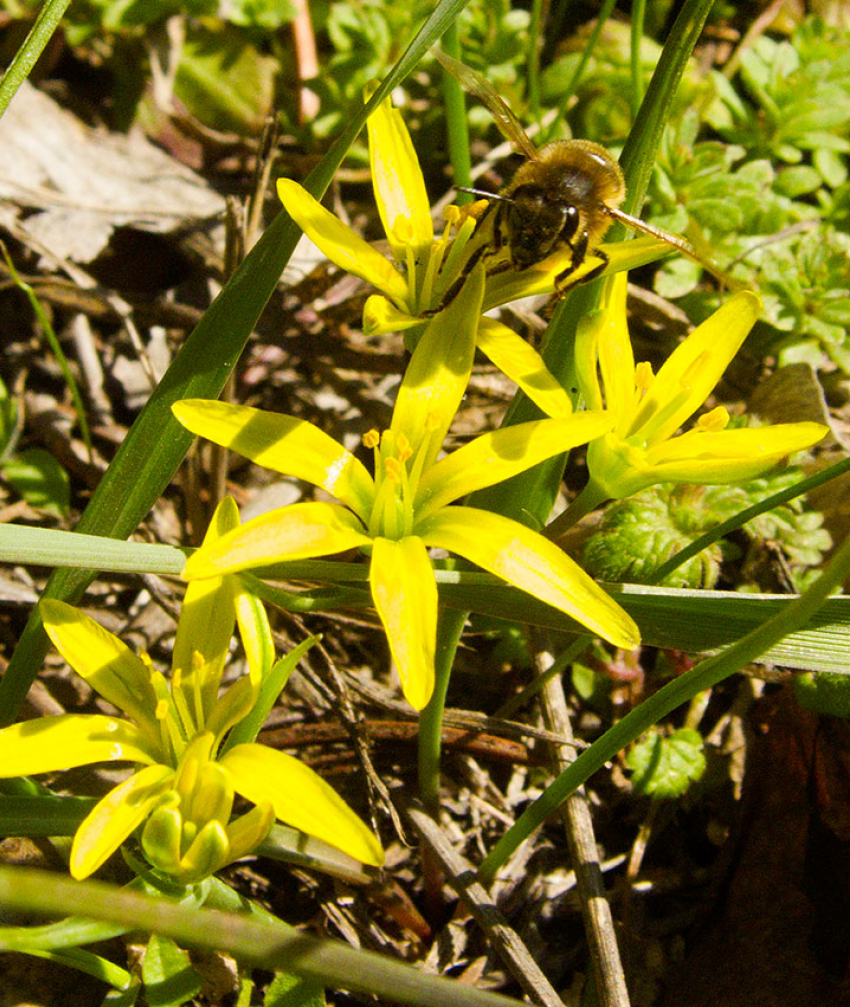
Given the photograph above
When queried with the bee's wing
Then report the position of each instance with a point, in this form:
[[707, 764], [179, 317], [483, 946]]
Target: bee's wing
[[472, 81]]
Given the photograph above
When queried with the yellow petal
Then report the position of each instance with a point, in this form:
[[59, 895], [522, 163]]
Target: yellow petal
[[71, 739], [730, 455], [614, 351], [381, 315], [255, 634], [512, 284], [436, 377], [405, 595], [283, 443], [112, 820], [208, 852], [532, 563], [399, 186], [496, 456], [249, 830], [694, 368], [300, 531], [236, 703], [340, 244], [300, 798], [107, 664], [517, 358]]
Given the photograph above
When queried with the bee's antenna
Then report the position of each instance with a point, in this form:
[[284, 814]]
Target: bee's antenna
[[682, 244], [483, 194]]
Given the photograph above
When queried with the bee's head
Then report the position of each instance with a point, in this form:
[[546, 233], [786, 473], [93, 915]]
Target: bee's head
[[536, 224]]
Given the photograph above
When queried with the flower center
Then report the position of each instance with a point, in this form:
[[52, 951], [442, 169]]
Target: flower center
[[398, 469]]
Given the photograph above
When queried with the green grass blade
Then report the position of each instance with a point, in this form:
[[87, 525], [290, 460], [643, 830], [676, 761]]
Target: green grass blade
[[26, 57], [262, 943], [740, 519], [50, 547]]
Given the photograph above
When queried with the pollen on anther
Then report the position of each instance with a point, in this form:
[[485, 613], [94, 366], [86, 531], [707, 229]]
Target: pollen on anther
[[714, 421], [643, 375]]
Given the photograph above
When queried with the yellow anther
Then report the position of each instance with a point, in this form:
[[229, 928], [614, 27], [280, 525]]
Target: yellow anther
[[644, 376], [371, 439], [392, 469], [403, 448], [145, 658], [197, 660], [161, 711], [431, 421], [713, 421], [452, 214]]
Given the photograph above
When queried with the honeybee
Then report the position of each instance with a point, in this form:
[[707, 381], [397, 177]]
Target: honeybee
[[566, 193]]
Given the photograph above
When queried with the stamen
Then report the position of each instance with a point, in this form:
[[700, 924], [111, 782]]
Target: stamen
[[425, 296], [178, 698], [714, 421], [644, 376], [403, 448], [453, 262], [199, 666]]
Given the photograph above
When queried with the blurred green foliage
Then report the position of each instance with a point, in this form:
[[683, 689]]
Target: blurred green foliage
[[33, 473]]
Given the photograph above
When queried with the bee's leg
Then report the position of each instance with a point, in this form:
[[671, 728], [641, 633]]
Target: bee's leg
[[579, 255], [597, 270], [493, 216], [456, 287]]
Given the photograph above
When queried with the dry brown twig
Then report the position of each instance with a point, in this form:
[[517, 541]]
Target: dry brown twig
[[611, 988]]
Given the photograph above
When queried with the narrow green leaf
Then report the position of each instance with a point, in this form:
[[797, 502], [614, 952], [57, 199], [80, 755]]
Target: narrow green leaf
[[51, 547], [26, 57], [91, 964], [167, 974]]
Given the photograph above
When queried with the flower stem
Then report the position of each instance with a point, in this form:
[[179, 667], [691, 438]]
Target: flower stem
[[449, 629], [589, 498]]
